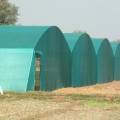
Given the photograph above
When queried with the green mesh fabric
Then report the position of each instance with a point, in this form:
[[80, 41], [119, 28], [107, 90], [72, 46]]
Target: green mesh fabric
[[31, 78], [116, 50], [20, 36], [48, 43], [114, 46], [55, 60], [83, 59], [15, 68], [105, 60]]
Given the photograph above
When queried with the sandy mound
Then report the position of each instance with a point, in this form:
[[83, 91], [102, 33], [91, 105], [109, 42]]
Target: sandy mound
[[106, 88]]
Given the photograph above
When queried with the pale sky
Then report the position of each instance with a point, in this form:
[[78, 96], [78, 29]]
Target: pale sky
[[99, 18]]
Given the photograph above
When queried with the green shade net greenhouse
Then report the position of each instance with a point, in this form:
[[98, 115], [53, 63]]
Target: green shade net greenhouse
[[116, 50], [105, 60], [83, 59], [20, 45]]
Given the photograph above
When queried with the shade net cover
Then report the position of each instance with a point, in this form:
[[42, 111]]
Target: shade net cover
[[116, 50], [83, 59], [47, 43], [15, 68], [105, 60]]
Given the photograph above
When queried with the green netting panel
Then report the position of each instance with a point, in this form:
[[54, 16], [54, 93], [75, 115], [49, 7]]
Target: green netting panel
[[50, 45], [20, 36], [116, 50], [31, 82], [55, 60], [83, 59], [15, 69], [105, 60]]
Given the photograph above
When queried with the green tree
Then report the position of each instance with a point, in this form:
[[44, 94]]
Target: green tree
[[8, 13]]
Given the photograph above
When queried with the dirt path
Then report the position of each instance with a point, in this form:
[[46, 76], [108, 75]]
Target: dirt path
[[64, 111], [107, 88]]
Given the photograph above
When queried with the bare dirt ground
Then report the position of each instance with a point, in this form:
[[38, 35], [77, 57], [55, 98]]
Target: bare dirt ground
[[64, 104], [106, 88], [41, 110]]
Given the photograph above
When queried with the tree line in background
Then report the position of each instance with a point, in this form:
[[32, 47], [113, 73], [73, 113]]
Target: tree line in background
[[116, 41], [78, 31]]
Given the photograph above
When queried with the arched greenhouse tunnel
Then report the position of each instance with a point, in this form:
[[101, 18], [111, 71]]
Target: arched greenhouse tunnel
[[83, 59], [116, 50], [19, 45], [105, 60]]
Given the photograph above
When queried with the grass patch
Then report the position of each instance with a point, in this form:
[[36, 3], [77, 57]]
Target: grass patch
[[82, 97], [49, 96], [26, 95], [96, 104]]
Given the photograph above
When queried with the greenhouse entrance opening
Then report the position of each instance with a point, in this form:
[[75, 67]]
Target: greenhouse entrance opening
[[37, 74]]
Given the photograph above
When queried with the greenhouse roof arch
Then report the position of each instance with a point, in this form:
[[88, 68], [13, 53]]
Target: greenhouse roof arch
[[83, 59], [115, 46], [116, 50], [22, 44], [105, 60]]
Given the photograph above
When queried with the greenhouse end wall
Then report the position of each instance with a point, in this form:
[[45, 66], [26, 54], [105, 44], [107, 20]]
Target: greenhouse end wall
[[105, 60], [116, 50], [15, 69], [83, 59]]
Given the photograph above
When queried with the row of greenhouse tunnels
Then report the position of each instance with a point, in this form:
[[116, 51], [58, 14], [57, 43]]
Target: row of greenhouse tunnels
[[43, 58]]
